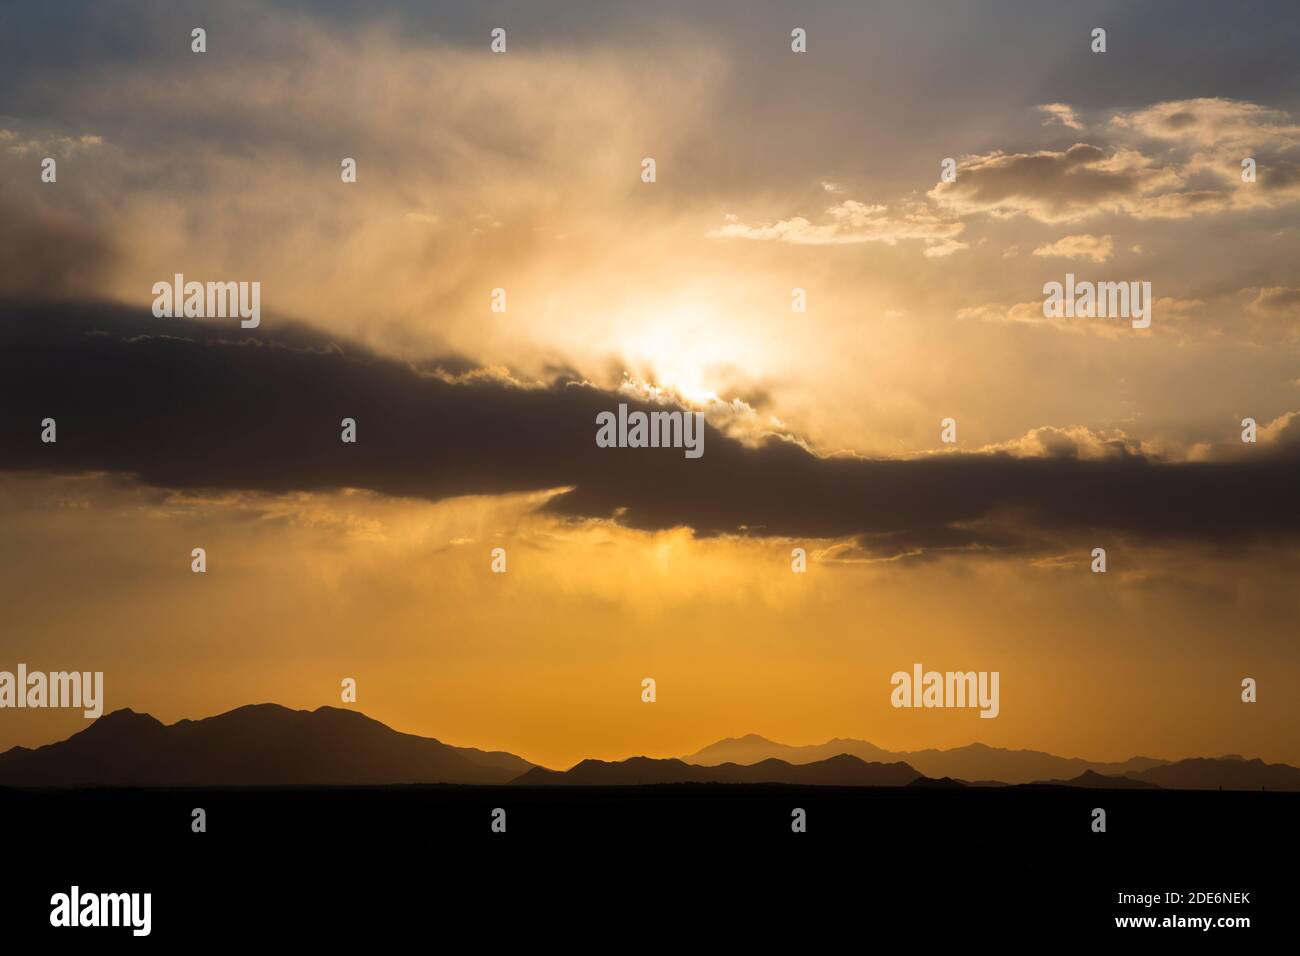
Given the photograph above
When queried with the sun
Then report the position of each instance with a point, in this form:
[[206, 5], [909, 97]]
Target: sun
[[685, 351]]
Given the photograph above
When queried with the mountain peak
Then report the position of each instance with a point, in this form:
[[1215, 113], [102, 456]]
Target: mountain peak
[[838, 771], [122, 713], [255, 745], [123, 718]]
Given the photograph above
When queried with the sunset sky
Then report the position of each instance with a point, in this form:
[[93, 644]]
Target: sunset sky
[[775, 171]]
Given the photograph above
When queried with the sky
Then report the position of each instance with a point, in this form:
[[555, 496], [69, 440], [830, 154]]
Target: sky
[[774, 171]]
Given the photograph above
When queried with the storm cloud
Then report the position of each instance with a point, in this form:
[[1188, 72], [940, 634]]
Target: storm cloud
[[201, 405]]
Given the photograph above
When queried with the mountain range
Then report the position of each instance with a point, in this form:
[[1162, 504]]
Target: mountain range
[[269, 745], [257, 745], [972, 762], [842, 770]]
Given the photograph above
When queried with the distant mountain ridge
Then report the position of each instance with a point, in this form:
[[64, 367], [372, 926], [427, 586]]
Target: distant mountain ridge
[[1098, 781], [256, 745], [266, 745], [842, 770], [980, 765], [1227, 773], [972, 762]]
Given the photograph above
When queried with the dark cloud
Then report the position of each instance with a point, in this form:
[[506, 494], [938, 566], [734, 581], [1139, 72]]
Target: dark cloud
[[1051, 186], [205, 405]]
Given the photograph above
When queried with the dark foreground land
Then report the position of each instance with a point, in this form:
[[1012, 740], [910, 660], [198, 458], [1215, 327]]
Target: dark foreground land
[[353, 863]]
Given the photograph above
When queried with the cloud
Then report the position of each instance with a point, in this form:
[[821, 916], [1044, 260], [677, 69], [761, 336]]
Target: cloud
[[1027, 313], [1225, 124], [235, 173], [851, 221], [1172, 160], [1054, 186], [199, 406], [1075, 441], [1096, 248], [944, 249], [1277, 301], [1283, 431], [1060, 113], [1165, 309], [1168, 307], [47, 144]]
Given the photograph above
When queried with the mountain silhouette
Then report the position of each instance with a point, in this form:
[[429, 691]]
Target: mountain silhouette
[[270, 745], [1100, 781], [1228, 773], [842, 770], [752, 748], [257, 745], [942, 783], [972, 762]]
